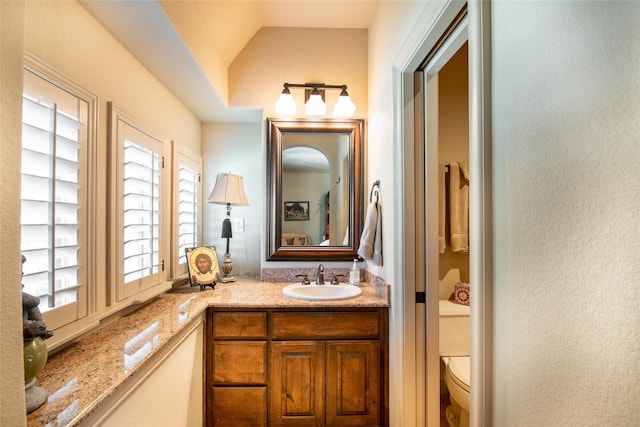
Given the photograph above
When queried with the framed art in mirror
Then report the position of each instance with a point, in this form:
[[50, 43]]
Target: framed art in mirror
[[296, 211]]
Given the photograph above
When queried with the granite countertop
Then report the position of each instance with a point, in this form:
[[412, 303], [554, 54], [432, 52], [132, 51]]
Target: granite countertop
[[83, 375]]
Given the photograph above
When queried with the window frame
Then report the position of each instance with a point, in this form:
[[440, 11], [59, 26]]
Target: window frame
[[70, 320], [121, 294], [192, 160]]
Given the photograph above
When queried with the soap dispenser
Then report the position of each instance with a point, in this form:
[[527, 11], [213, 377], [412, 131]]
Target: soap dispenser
[[354, 274]]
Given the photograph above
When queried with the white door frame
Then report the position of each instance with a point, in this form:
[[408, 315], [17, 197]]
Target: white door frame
[[420, 372]]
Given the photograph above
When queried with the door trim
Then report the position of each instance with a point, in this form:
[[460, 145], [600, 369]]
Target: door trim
[[411, 334]]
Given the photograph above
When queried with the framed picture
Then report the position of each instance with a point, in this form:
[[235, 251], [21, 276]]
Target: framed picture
[[202, 266], [296, 211]]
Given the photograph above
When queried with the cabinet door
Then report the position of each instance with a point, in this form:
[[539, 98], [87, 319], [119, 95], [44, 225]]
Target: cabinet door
[[297, 383], [354, 392]]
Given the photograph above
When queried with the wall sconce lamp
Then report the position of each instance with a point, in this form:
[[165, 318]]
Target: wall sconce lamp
[[228, 190], [314, 100]]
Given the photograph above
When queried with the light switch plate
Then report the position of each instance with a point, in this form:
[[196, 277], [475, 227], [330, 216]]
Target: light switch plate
[[238, 225]]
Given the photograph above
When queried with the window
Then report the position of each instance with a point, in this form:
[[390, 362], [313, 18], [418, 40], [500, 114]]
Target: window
[[187, 194], [139, 205], [57, 140]]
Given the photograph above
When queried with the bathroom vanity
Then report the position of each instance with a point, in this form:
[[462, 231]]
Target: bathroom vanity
[[297, 366], [267, 360]]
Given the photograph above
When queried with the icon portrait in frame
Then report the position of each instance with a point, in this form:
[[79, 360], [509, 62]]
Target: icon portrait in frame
[[203, 267]]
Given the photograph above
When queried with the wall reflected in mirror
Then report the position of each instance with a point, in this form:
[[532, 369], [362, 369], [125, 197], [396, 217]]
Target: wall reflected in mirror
[[315, 168]]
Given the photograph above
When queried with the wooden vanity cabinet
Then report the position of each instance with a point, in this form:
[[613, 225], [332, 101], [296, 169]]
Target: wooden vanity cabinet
[[325, 367]]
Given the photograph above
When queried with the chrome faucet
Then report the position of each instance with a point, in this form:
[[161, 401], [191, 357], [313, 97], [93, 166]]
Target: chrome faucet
[[320, 275]]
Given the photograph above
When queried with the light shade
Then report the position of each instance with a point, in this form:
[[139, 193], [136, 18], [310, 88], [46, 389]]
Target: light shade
[[229, 189], [285, 104], [315, 106], [344, 107]]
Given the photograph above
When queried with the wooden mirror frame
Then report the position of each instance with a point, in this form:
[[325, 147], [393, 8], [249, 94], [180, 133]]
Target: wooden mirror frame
[[275, 130]]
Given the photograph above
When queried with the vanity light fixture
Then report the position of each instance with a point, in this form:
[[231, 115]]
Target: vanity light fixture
[[315, 105], [228, 190]]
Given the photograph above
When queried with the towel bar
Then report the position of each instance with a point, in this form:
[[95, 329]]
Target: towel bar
[[376, 183]]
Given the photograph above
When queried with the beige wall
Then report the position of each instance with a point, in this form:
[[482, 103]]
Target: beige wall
[[306, 187], [12, 404], [453, 146], [185, 17]]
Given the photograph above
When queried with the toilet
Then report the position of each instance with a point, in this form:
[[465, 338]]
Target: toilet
[[455, 344]]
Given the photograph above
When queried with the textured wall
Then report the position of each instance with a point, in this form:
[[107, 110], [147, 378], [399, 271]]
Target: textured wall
[[566, 109], [12, 404]]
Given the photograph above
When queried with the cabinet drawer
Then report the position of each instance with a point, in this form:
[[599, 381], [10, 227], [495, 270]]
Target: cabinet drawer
[[239, 324], [240, 362], [325, 325], [240, 406]]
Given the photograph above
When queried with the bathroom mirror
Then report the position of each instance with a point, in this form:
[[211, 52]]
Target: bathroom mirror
[[314, 189]]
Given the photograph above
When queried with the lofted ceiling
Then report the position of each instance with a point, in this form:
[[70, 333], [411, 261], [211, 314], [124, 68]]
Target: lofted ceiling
[[150, 30], [233, 23]]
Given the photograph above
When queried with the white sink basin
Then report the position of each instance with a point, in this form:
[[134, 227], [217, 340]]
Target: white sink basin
[[321, 292]]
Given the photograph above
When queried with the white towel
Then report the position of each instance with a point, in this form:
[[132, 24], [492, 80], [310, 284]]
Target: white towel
[[459, 206], [377, 245], [442, 244], [371, 239]]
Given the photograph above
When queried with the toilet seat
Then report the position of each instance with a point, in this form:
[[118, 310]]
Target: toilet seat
[[458, 378], [459, 369]]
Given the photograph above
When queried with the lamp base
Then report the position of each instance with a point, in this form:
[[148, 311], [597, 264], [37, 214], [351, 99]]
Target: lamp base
[[227, 266]]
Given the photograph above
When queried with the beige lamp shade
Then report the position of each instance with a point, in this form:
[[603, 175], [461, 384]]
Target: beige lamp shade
[[229, 189]]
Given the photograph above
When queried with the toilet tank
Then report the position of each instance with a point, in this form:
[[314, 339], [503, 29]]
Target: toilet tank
[[455, 329]]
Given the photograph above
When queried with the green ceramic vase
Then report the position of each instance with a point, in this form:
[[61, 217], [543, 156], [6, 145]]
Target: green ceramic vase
[[35, 357]]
